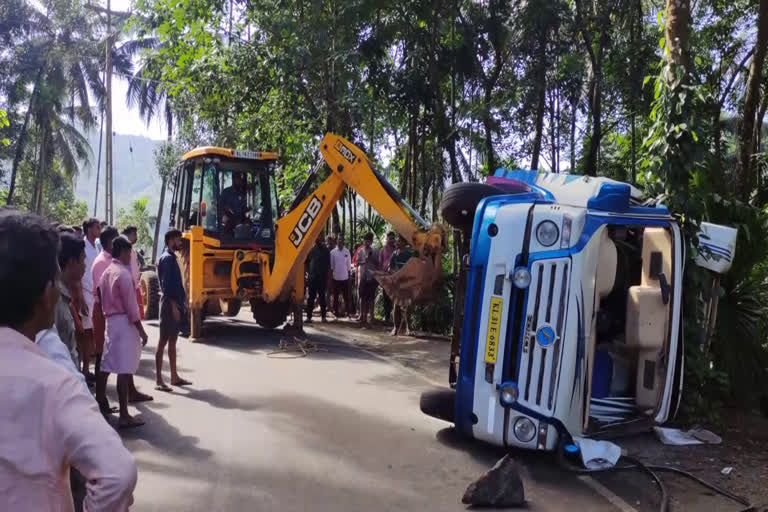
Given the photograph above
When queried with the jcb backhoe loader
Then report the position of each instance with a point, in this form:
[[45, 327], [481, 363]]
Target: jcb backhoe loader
[[238, 246]]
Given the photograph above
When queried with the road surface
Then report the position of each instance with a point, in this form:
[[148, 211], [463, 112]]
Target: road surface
[[337, 430]]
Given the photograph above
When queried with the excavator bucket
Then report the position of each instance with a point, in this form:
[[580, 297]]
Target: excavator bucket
[[420, 278]]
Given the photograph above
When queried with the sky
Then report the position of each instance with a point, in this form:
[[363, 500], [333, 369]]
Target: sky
[[126, 120]]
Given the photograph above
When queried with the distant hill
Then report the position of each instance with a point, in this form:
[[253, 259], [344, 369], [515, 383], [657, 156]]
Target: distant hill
[[134, 174]]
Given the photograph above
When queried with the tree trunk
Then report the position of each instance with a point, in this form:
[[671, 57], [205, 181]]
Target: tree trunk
[[541, 103], [37, 192], [552, 132], [20, 143], [163, 186], [595, 106], [677, 31], [490, 158], [574, 112], [751, 98]]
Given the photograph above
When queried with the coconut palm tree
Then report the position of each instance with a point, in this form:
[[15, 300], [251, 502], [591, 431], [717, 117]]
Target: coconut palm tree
[[149, 96], [60, 61]]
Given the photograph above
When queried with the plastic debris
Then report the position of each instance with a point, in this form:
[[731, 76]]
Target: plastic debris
[[677, 437], [598, 454], [726, 470]]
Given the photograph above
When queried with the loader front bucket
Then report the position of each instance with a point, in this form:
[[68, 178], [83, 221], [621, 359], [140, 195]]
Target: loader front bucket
[[421, 277]]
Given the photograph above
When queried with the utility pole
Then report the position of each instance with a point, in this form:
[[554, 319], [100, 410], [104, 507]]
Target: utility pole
[[109, 211]]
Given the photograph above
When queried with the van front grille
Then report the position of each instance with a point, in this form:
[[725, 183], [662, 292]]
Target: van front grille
[[545, 319]]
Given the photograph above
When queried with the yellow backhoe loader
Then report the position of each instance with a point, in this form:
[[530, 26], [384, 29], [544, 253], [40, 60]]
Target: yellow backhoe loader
[[240, 247]]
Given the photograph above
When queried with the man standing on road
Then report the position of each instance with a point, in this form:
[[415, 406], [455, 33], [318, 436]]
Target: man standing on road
[[341, 263], [366, 266], [319, 262], [398, 260], [72, 265], [100, 264], [125, 333], [49, 423], [172, 309], [132, 233], [384, 255], [92, 230]]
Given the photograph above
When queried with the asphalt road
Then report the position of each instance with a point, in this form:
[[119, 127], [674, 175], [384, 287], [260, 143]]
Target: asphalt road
[[337, 430]]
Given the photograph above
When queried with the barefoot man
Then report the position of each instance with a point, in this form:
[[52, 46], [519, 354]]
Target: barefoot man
[[172, 305]]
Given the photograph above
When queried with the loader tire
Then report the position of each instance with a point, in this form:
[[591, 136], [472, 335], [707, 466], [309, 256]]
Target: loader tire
[[270, 315], [230, 307], [150, 294], [460, 201]]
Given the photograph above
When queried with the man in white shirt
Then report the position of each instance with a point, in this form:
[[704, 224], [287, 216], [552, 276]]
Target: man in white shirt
[[92, 230], [341, 263]]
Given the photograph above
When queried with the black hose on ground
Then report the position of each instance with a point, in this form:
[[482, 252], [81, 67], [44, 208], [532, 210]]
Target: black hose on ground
[[650, 470]]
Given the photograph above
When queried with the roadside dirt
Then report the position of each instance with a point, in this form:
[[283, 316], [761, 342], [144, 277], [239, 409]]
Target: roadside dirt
[[744, 448]]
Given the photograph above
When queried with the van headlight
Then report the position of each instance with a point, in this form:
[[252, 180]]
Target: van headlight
[[524, 429], [521, 277], [508, 393], [547, 233]]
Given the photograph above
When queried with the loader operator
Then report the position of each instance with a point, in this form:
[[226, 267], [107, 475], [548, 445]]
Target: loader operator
[[234, 203]]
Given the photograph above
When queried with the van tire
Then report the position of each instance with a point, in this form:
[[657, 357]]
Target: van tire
[[150, 292], [460, 201], [438, 403]]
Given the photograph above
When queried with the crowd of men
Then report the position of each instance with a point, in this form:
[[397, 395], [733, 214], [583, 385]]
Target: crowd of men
[[332, 274], [71, 298]]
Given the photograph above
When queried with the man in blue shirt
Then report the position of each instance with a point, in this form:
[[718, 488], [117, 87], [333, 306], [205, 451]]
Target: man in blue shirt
[[172, 309], [234, 203]]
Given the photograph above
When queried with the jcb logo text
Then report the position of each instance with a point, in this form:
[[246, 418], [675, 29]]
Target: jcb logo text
[[305, 221]]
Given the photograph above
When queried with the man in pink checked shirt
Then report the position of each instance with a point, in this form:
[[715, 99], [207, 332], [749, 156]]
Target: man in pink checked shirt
[[48, 421], [125, 333], [132, 233]]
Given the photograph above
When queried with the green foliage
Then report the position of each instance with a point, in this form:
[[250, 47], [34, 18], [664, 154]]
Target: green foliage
[[167, 157], [71, 214], [4, 124], [373, 224], [140, 217]]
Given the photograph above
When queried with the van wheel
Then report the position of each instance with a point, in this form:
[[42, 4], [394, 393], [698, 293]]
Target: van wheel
[[460, 201], [438, 403], [150, 294], [230, 307]]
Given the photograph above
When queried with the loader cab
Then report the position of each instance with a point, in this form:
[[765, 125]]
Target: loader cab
[[231, 194]]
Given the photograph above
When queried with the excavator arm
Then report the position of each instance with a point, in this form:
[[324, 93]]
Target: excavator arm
[[297, 231]]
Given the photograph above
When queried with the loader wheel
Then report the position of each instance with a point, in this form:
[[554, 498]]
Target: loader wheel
[[212, 308], [150, 294], [269, 315], [460, 201], [230, 307], [195, 324]]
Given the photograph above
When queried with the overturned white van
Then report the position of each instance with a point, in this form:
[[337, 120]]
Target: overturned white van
[[570, 323]]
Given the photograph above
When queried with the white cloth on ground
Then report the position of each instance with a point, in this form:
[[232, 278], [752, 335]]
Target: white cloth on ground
[[598, 454]]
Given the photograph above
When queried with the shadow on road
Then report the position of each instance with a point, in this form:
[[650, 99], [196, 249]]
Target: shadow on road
[[162, 435], [218, 400], [247, 338]]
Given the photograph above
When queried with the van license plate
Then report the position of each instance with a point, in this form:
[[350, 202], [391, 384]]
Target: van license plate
[[494, 326]]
